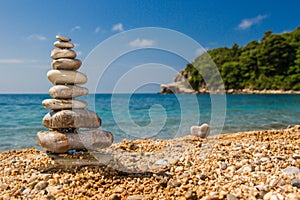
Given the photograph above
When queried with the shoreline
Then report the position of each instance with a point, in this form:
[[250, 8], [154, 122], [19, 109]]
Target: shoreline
[[244, 91], [258, 164]]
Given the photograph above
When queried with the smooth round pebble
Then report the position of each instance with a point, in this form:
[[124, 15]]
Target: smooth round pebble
[[72, 119], [200, 131], [296, 182], [67, 91], [63, 38], [60, 104], [114, 197], [61, 44], [135, 197], [66, 64], [231, 197], [291, 170], [41, 185], [64, 77], [57, 142], [62, 53]]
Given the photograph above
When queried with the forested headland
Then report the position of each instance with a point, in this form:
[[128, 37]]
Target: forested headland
[[272, 63]]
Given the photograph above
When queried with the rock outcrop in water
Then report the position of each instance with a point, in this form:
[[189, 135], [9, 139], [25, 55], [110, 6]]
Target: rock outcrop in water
[[68, 115], [179, 86]]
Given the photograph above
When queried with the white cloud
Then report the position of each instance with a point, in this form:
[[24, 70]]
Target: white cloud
[[75, 28], [141, 42], [98, 29], [36, 37], [16, 61], [76, 45], [247, 23], [117, 27], [79, 53]]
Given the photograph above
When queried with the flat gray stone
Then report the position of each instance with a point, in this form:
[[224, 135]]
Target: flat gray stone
[[72, 119], [61, 104], [67, 91], [291, 170], [296, 182]]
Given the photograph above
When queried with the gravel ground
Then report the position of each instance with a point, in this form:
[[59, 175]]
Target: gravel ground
[[253, 165]]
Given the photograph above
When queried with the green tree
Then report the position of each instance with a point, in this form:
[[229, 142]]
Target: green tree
[[275, 56], [271, 63]]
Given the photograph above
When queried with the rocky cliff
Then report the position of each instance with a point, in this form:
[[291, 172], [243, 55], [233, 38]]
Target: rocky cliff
[[179, 86]]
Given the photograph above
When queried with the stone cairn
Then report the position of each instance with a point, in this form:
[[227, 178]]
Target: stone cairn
[[71, 125]]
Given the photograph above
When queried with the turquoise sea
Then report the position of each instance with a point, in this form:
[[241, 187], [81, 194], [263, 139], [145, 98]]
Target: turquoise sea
[[151, 115]]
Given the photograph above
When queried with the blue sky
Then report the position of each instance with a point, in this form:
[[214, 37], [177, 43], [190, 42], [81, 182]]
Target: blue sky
[[28, 30]]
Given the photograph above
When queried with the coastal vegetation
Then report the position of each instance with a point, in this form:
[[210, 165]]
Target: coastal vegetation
[[273, 63]]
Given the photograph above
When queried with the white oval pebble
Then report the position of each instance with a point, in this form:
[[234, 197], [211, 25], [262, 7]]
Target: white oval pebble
[[64, 77]]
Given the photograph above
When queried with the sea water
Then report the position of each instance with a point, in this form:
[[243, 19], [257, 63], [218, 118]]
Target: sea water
[[152, 115]]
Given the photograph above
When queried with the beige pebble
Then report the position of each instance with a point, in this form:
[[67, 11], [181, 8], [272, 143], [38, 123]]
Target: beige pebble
[[62, 53], [65, 77], [61, 44], [60, 104], [3, 186], [136, 197], [67, 91], [66, 64], [119, 189], [114, 197], [57, 142], [63, 38], [293, 197], [212, 197], [41, 185]]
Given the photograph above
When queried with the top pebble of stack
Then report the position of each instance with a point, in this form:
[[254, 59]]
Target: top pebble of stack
[[63, 39], [63, 55]]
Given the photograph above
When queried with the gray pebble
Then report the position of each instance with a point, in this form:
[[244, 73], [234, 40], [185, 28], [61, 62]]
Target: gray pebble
[[114, 197], [41, 185], [231, 197], [296, 182], [291, 170], [174, 183], [224, 166], [296, 156], [200, 131], [26, 191]]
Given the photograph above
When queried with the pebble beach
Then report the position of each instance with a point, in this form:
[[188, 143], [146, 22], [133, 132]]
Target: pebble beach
[[246, 165]]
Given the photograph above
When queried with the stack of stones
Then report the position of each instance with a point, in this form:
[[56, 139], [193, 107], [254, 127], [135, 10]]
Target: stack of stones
[[71, 125]]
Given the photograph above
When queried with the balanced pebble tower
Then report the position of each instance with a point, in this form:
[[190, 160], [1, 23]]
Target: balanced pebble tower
[[71, 125]]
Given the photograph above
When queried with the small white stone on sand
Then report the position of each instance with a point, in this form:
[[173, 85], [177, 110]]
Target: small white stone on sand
[[200, 131]]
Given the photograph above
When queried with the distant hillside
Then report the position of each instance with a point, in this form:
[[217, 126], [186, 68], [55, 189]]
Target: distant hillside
[[273, 63]]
